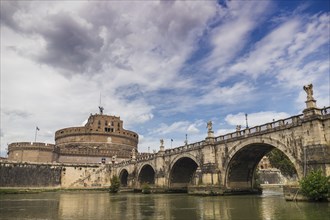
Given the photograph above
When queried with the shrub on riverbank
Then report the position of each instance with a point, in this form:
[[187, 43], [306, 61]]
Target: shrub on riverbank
[[115, 184], [315, 186], [146, 188]]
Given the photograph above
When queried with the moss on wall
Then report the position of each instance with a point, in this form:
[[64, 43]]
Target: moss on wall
[[29, 175]]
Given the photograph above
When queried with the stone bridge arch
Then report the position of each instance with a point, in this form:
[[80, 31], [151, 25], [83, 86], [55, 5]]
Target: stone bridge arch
[[182, 171], [146, 174], [245, 156], [123, 177]]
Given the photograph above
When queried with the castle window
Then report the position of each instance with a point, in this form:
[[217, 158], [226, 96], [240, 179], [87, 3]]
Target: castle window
[[106, 123], [108, 129], [112, 123]]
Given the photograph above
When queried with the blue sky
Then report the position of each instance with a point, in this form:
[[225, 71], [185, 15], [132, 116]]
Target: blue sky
[[164, 67]]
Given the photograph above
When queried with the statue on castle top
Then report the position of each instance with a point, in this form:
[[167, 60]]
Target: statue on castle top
[[209, 126], [309, 90], [161, 142], [101, 110]]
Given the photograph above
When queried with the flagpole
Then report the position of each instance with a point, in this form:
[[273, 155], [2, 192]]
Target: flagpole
[[35, 136]]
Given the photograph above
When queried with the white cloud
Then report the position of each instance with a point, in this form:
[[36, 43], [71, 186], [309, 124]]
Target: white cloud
[[231, 36], [192, 129], [268, 53], [179, 126], [254, 119], [286, 52], [227, 94], [220, 132]]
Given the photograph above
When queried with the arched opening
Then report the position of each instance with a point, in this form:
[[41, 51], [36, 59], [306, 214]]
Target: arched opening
[[147, 175], [123, 176], [241, 170], [182, 173]]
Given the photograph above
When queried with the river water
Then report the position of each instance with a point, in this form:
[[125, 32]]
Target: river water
[[127, 206]]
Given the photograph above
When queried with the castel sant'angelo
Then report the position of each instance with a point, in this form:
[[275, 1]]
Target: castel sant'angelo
[[100, 140]]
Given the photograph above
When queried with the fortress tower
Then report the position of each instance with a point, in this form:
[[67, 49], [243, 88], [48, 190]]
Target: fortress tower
[[100, 140], [102, 137]]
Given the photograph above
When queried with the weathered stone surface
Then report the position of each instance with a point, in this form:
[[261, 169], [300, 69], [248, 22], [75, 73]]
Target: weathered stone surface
[[54, 175], [29, 175]]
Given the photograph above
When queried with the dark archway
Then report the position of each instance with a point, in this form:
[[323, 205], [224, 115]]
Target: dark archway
[[123, 176], [182, 172], [242, 166], [147, 175]]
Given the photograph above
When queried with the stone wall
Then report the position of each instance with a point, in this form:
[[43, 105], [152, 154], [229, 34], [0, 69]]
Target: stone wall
[[29, 175], [32, 152], [13, 174], [271, 176], [91, 176]]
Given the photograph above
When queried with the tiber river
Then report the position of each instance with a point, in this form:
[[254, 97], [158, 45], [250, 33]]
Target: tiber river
[[127, 206]]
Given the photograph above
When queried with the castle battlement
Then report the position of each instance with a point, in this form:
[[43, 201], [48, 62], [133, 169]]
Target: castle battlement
[[25, 145]]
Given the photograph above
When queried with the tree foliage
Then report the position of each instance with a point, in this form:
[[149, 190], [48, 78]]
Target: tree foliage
[[315, 185], [280, 161], [115, 184], [146, 188]]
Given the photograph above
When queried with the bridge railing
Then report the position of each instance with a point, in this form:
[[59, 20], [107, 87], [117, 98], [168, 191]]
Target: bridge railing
[[185, 147], [146, 157], [325, 111], [294, 120], [279, 124]]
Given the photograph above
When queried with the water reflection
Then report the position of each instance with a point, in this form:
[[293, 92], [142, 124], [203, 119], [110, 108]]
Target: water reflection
[[100, 205], [29, 206]]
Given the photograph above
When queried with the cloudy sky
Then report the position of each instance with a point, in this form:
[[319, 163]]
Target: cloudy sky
[[164, 67]]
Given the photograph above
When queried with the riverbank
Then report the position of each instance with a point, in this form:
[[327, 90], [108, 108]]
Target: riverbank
[[29, 190], [21, 190]]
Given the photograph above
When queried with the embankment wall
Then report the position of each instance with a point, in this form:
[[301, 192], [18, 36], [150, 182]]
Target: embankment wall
[[15, 174]]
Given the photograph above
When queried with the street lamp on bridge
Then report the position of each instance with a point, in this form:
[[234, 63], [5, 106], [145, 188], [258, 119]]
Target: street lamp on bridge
[[246, 120]]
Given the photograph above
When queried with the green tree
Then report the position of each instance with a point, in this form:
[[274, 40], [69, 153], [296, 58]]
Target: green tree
[[280, 161], [315, 186], [146, 188], [115, 184]]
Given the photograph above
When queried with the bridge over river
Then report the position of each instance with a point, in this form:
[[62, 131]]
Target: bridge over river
[[228, 163]]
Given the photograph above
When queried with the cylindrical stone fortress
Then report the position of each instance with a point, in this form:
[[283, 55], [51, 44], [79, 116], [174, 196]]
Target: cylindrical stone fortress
[[103, 136]]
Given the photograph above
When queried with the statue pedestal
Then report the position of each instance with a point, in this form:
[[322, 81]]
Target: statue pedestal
[[308, 112], [210, 134], [161, 150], [311, 103]]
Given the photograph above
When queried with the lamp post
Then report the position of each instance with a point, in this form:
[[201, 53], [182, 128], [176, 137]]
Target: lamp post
[[246, 120]]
